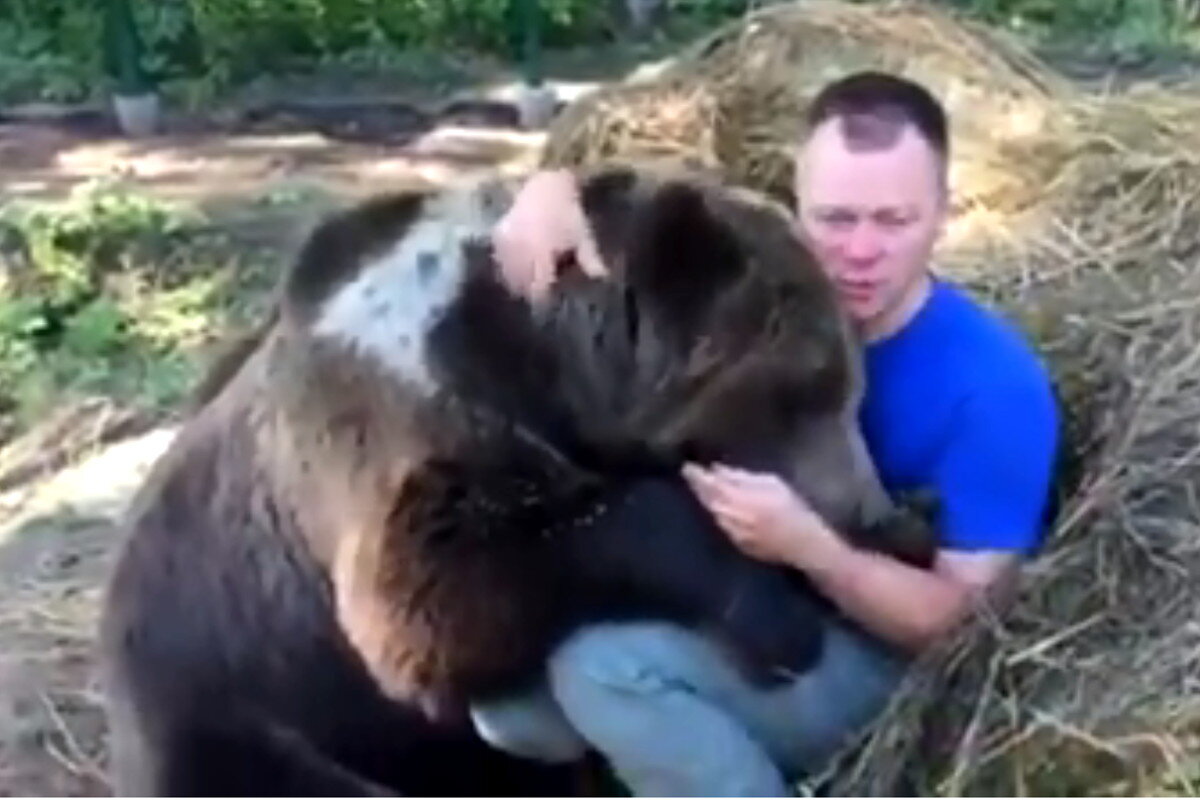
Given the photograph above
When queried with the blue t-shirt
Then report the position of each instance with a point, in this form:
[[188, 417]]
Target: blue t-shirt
[[959, 402]]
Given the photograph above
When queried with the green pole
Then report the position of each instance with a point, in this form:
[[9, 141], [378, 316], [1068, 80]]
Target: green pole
[[529, 20], [123, 48]]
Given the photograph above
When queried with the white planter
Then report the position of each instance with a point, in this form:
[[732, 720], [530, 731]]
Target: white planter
[[641, 13], [536, 104], [138, 115]]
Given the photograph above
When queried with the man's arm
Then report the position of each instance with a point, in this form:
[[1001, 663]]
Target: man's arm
[[904, 605], [993, 480], [909, 607]]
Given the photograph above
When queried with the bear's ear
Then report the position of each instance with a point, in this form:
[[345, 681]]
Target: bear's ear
[[608, 196], [682, 254], [342, 243]]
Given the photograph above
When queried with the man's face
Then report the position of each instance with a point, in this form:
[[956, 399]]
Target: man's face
[[872, 216]]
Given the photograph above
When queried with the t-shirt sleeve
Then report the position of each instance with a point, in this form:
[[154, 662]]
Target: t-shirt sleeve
[[996, 470]]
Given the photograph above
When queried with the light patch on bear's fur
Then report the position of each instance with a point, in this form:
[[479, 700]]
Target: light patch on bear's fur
[[388, 310]]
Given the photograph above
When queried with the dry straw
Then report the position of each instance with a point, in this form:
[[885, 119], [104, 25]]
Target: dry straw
[[1078, 215]]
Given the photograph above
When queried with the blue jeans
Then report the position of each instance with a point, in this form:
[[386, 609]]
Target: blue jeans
[[674, 717]]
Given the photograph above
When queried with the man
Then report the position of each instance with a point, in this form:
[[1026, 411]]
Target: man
[[956, 400]]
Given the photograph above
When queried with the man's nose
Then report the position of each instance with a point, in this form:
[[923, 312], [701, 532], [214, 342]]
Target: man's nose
[[863, 246]]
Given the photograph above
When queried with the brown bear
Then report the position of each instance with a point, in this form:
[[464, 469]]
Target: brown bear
[[411, 484]]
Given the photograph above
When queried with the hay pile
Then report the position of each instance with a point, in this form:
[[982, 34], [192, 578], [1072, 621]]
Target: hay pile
[[1087, 230], [735, 99]]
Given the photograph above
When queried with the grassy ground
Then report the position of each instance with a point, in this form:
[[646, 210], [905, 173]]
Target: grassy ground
[[113, 293]]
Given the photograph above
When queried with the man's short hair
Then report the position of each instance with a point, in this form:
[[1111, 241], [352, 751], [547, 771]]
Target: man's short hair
[[874, 107]]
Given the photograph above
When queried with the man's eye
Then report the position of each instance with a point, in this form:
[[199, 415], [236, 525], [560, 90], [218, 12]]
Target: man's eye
[[892, 220], [837, 218]]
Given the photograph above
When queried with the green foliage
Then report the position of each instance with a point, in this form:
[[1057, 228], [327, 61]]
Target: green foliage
[[51, 49], [710, 12], [243, 37], [224, 41], [48, 49], [108, 292], [1118, 25], [124, 59], [73, 248]]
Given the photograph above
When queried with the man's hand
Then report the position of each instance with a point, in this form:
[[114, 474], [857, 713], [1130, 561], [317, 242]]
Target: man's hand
[[910, 607], [761, 514], [545, 221]]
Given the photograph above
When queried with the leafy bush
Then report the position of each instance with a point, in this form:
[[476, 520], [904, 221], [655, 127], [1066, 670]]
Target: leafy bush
[[1119, 24], [109, 292], [223, 42], [50, 48]]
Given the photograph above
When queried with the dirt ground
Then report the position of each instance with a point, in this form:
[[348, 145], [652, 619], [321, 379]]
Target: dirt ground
[[45, 155], [56, 538], [57, 529]]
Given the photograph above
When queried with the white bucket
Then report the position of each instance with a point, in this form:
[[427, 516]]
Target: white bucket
[[536, 105], [138, 115]]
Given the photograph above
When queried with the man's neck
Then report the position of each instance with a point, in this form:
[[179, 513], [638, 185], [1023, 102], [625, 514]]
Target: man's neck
[[896, 318]]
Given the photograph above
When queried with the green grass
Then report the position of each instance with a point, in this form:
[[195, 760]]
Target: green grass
[[116, 294]]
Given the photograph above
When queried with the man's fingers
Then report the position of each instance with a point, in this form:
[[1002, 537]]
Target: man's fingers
[[755, 487], [588, 256], [731, 518], [711, 489], [741, 477], [700, 480], [541, 275], [517, 260]]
